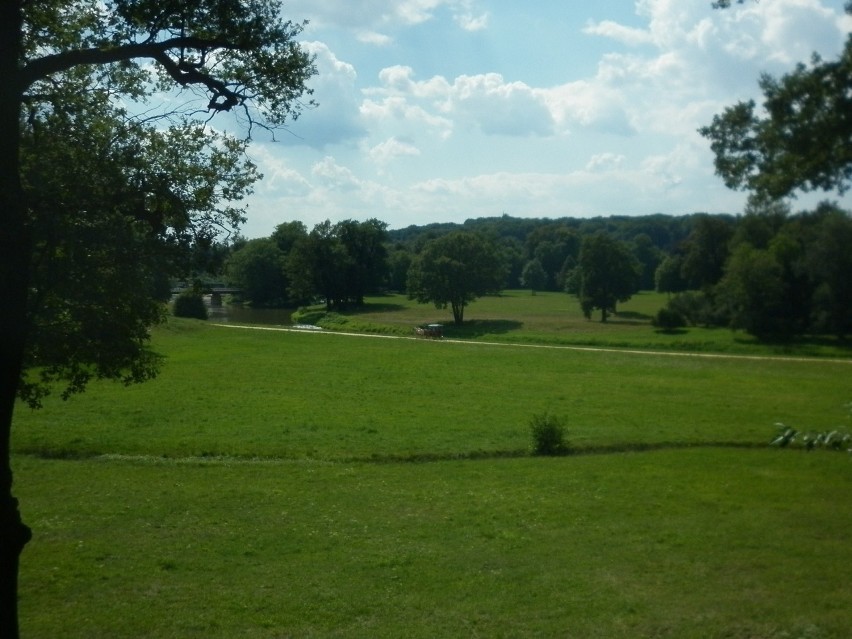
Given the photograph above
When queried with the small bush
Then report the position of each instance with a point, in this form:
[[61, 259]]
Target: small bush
[[668, 319], [548, 434], [190, 304], [307, 315]]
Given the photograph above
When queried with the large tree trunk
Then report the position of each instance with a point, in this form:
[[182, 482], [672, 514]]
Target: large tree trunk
[[15, 244]]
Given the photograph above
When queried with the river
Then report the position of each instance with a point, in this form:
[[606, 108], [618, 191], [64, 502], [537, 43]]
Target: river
[[229, 314]]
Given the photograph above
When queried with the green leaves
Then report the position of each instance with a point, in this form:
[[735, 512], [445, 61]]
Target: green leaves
[[802, 140], [454, 270]]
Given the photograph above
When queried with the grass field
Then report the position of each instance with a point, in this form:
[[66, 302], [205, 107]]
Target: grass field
[[277, 484]]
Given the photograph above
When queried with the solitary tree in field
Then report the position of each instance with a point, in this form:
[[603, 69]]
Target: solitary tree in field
[[65, 68], [454, 270], [607, 272]]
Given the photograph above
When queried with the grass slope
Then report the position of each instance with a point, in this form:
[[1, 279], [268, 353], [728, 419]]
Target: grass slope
[[236, 494], [244, 393], [693, 543]]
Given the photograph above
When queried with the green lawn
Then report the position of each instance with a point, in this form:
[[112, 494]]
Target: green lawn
[[555, 318], [276, 484]]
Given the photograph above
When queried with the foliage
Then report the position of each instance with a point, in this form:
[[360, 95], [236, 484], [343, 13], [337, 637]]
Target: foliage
[[533, 276], [706, 251], [802, 139], [754, 293], [68, 70], [454, 270], [257, 267], [308, 315], [668, 319], [548, 434], [190, 304], [608, 273], [99, 267], [339, 262], [668, 277]]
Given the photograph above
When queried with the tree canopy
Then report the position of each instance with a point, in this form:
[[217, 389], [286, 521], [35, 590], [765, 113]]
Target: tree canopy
[[97, 202], [454, 270], [608, 273], [801, 139]]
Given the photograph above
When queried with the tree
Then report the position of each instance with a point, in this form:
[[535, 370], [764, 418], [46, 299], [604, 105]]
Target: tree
[[649, 257], [367, 267], [242, 56], [667, 277], [802, 139], [753, 290], [454, 270], [258, 269], [828, 263], [706, 250], [341, 262], [608, 273], [533, 276]]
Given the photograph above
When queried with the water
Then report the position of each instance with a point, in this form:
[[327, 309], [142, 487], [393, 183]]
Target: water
[[226, 314]]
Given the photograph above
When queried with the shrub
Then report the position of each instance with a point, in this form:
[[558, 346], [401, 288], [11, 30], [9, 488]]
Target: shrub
[[548, 434], [668, 319], [190, 304], [307, 315]]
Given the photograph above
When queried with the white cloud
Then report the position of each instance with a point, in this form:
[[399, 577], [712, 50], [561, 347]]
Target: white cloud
[[469, 22], [375, 38], [472, 138], [279, 178], [335, 120], [618, 32], [391, 149], [334, 176], [605, 162], [375, 14]]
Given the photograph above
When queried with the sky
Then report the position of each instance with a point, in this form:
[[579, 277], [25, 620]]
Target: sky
[[446, 110]]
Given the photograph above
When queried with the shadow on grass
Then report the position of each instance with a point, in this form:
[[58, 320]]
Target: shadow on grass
[[799, 345], [481, 328], [628, 317], [374, 307]]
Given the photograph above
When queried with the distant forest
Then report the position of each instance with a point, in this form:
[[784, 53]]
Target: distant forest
[[769, 271]]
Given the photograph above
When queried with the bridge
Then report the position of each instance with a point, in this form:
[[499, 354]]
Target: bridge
[[215, 292]]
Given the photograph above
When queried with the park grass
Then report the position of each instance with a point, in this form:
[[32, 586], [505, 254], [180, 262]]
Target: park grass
[[235, 392], [517, 316], [263, 486], [706, 543]]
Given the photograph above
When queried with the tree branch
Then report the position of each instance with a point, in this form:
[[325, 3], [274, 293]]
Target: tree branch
[[41, 68]]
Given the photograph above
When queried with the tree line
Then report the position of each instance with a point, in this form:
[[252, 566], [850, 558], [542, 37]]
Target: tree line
[[769, 271]]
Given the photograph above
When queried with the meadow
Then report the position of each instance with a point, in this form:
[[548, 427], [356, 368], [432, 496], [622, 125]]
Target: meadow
[[317, 484]]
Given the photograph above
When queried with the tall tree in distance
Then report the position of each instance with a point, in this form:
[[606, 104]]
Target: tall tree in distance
[[241, 56], [608, 273], [455, 269]]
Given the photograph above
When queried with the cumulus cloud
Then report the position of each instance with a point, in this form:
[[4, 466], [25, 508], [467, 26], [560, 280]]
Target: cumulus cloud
[[376, 14], [279, 178], [374, 38], [335, 120], [469, 22], [605, 162], [334, 176], [620, 137], [391, 149], [618, 32]]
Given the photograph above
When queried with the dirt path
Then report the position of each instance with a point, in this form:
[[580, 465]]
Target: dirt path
[[595, 349]]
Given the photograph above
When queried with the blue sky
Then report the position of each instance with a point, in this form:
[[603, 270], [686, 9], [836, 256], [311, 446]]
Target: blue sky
[[444, 110]]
